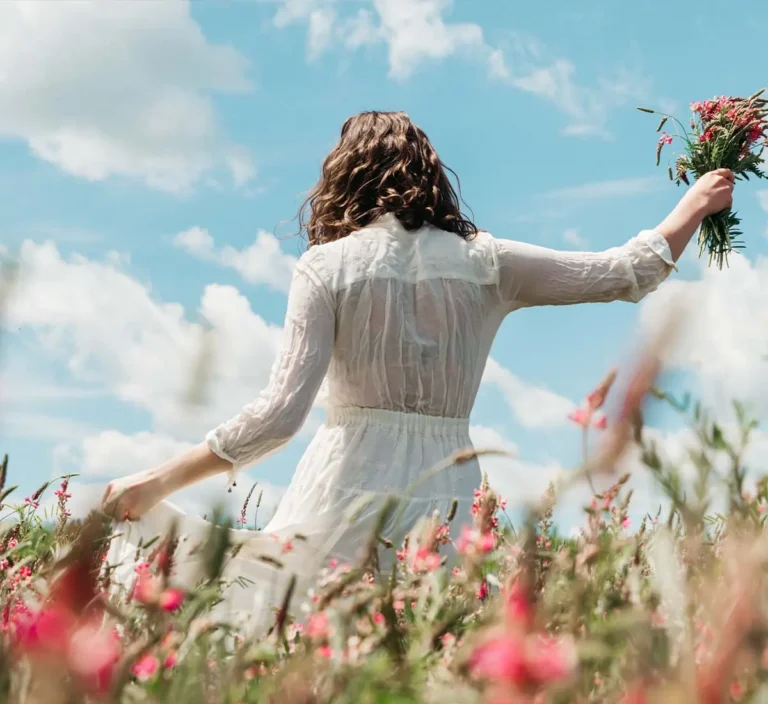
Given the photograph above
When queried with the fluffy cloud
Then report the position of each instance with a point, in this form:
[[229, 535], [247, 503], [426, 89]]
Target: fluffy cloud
[[532, 406], [112, 453], [573, 238], [512, 476], [724, 340], [111, 331], [527, 66], [106, 89], [414, 31], [604, 190], [263, 262]]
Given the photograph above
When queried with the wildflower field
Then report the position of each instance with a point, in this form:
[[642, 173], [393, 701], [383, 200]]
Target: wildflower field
[[673, 611]]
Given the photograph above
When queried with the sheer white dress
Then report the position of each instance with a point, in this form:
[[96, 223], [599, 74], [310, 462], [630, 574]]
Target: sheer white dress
[[400, 325]]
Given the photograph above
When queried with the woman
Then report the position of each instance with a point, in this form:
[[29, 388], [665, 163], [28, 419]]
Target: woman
[[397, 301]]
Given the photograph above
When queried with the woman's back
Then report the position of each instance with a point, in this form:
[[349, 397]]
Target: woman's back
[[415, 315]]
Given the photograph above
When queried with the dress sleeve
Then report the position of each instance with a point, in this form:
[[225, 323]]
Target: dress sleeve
[[536, 276], [265, 425]]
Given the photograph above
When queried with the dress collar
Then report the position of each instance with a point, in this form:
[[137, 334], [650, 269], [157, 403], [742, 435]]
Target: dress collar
[[388, 222]]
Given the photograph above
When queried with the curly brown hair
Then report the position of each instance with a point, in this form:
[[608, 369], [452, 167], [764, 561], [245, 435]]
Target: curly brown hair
[[382, 164]]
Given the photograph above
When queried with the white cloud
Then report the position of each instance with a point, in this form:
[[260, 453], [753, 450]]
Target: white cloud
[[263, 262], [292, 10], [111, 453], [42, 426], [601, 190], [360, 30], [320, 33], [111, 331], [17, 390], [414, 31], [105, 89], [573, 238], [587, 107], [724, 340], [532, 406]]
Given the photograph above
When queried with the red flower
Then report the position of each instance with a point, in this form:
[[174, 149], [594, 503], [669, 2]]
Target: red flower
[[171, 599], [482, 590], [502, 658], [145, 667], [43, 631]]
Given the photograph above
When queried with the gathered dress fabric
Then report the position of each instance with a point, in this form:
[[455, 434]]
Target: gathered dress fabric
[[399, 325]]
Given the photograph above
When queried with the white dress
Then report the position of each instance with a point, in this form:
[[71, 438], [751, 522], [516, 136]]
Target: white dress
[[400, 325]]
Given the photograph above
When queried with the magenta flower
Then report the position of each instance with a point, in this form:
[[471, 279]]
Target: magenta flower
[[171, 599], [145, 667], [532, 661]]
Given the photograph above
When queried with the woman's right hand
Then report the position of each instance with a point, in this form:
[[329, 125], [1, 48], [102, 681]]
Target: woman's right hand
[[129, 498], [712, 193]]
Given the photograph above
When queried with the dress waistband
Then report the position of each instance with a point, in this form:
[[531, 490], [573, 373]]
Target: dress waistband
[[418, 423]]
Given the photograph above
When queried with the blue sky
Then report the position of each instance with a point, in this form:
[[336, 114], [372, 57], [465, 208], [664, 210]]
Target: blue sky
[[148, 152]]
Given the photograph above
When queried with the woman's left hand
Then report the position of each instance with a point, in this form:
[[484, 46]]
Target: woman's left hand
[[129, 498]]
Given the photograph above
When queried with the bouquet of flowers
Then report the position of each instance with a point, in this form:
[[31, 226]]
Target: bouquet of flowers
[[725, 133]]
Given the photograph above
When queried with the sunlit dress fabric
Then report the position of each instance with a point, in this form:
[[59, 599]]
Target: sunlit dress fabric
[[398, 326]]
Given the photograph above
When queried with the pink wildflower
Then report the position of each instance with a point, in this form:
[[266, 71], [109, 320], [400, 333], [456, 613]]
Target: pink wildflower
[[146, 588], [625, 523], [472, 541], [532, 661], [145, 667], [171, 599], [580, 416], [318, 625], [502, 658], [518, 607], [92, 655], [550, 659], [482, 591]]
